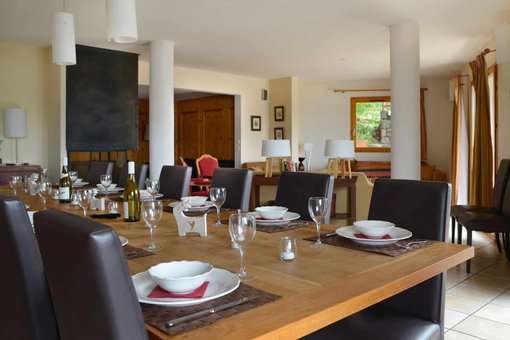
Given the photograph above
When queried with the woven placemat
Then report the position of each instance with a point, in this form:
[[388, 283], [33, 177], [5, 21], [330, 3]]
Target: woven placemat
[[157, 316], [395, 249], [283, 227], [134, 252]]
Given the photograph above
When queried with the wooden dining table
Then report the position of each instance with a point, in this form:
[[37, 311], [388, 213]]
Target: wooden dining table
[[321, 286]]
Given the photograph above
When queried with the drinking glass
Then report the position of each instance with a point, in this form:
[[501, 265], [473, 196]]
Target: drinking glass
[[15, 182], [288, 248], [44, 190], [152, 211], [73, 176], [106, 181], [318, 208], [84, 200], [242, 229], [152, 187], [218, 196]]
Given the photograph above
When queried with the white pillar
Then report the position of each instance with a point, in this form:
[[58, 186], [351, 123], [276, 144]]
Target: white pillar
[[161, 104], [503, 60], [405, 100]]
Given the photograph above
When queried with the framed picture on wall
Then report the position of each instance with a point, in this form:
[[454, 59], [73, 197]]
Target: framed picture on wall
[[278, 133], [279, 113], [256, 122]]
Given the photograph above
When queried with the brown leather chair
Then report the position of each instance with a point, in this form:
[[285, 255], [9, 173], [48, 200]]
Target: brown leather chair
[[89, 281], [27, 312], [416, 313], [141, 173], [294, 189], [174, 181], [98, 168], [238, 185]]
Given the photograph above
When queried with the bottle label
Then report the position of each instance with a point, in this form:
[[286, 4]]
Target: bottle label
[[64, 193], [125, 209]]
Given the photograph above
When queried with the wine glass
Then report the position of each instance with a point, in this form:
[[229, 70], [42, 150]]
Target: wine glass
[[44, 191], [106, 181], [152, 211], [218, 196], [14, 183], [152, 187], [242, 229], [318, 208], [84, 200]]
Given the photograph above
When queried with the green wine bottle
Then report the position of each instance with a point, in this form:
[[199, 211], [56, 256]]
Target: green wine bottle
[[131, 197], [65, 185]]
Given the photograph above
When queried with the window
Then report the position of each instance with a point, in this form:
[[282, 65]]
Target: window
[[371, 123]]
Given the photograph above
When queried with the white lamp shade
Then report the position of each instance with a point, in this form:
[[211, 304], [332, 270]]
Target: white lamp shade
[[63, 44], [122, 27], [15, 123], [503, 44], [339, 148], [276, 148]]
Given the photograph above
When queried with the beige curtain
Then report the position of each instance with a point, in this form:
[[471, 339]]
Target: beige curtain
[[456, 126], [423, 126], [481, 172]]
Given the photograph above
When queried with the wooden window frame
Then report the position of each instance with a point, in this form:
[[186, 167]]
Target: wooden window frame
[[354, 101]]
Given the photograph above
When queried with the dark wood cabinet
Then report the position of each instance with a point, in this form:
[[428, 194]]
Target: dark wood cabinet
[[6, 172]]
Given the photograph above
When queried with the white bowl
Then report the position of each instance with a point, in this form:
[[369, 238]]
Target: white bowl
[[271, 212], [180, 276], [112, 186], [374, 228], [194, 201]]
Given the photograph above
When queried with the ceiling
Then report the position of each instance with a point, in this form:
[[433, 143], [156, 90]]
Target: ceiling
[[316, 40]]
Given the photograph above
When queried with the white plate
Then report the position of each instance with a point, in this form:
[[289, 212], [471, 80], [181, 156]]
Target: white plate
[[221, 283], [289, 216], [145, 196], [110, 190], [396, 234], [123, 241], [80, 184], [207, 205]]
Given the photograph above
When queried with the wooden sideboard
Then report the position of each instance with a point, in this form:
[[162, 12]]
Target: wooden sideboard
[[7, 171]]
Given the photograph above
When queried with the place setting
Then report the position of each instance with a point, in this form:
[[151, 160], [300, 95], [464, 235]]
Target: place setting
[[272, 219]]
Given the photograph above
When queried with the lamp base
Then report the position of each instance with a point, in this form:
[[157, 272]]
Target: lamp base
[[342, 166]]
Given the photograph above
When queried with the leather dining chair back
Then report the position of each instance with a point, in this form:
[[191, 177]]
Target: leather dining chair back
[[88, 277], [500, 184], [27, 312], [98, 168], [294, 189], [238, 185], [174, 181], [141, 173]]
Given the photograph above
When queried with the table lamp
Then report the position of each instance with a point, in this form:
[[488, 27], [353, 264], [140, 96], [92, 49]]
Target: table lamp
[[340, 152], [15, 125], [275, 149]]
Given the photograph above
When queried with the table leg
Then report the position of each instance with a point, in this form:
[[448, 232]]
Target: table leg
[[352, 203]]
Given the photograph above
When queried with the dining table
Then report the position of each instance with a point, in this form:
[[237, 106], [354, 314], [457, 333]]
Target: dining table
[[321, 286]]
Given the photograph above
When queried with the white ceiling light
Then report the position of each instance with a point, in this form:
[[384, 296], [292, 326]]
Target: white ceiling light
[[122, 21], [63, 44]]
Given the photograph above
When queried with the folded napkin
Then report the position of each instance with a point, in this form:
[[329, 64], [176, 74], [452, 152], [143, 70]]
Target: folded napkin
[[360, 235], [160, 293], [268, 219]]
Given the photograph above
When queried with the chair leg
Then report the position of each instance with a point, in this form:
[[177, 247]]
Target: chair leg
[[453, 229], [506, 245], [459, 232], [498, 241], [470, 243]]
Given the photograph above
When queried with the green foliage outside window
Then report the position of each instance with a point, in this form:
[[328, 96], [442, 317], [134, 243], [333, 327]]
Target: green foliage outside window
[[369, 123]]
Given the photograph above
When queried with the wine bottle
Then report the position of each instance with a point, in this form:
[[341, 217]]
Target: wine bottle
[[65, 185], [131, 197]]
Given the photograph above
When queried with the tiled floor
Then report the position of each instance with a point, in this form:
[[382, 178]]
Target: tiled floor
[[478, 304]]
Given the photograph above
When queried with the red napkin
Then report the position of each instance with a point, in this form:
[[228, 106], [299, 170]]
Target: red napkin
[[268, 219], [160, 293], [385, 237]]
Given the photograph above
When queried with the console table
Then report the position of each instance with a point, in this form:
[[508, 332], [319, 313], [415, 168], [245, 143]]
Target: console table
[[349, 183], [7, 171]]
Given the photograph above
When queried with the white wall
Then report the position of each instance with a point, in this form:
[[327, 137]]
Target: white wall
[[249, 91], [325, 114]]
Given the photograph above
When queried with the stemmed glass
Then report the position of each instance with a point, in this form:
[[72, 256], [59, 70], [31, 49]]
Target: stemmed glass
[[152, 211], [318, 208], [218, 196], [152, 187], [14, 183], [242, 229], [73, 176], [106, 181], [44, 191], [84, 200]]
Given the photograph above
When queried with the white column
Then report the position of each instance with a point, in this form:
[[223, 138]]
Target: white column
[[161, 103], [405, 100], [503, 60]]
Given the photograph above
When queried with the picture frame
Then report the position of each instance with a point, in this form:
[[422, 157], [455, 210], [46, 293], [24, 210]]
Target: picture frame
[[279, 113], [278, 133], [256, 123]]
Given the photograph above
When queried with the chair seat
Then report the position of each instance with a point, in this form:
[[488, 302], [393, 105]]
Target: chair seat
[[484, 221], [458, 210], [200, 181], [200, 193], [369, 325]]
